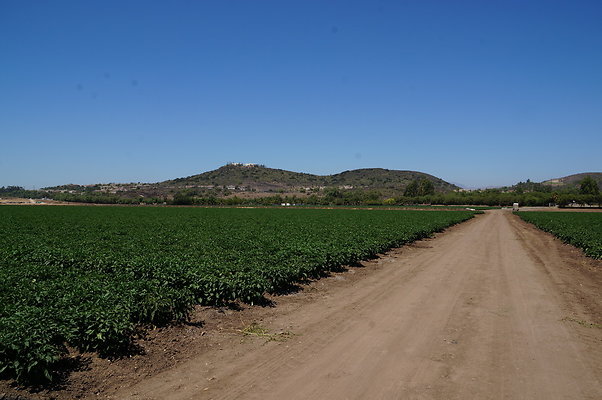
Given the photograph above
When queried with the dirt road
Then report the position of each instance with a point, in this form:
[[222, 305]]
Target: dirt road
[[492, 309]]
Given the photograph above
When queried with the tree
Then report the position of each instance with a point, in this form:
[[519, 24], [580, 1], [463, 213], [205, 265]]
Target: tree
[[422, 187], [183, 199], [589, 186], [426, 187], [411, 190]]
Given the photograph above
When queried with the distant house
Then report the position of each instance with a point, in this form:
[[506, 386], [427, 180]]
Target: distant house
[[248, 165]]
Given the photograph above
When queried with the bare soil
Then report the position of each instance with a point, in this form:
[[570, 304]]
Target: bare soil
[[24, 202], [565, 209], [491, 309]]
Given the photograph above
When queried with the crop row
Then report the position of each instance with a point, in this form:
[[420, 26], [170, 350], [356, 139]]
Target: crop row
[[581, 229], [85, 277]]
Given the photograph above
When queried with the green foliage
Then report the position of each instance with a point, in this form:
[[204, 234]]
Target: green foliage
[[581, 229], [412, 189], [589, 186], [529, 186], [425, 187], [10, 189], [419, 187], [355, 197], [18, 191], [183, 198], [85, 276]]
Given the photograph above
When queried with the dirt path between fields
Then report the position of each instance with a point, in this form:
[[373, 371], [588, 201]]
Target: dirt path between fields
[[492, 309]]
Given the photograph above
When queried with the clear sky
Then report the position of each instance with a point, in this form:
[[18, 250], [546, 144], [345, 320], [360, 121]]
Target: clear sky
[[479, 93]]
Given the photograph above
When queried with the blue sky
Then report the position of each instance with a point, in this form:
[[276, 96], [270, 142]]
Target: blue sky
[[480, 93]]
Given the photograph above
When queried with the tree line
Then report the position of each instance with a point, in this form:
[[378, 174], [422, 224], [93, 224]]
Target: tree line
[[417, 192]]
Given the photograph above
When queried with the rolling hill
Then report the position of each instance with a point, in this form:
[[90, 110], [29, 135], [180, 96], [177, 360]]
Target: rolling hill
[[261, 178], [379, 178], [255, 178], [573, 180]]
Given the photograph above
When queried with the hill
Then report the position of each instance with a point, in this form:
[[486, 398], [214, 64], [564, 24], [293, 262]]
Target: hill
[[573, 180], [261, 178], [256, 179], [251, 176], [379, 178]]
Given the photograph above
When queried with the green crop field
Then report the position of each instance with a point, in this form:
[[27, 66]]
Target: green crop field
[[85, 277], [581, 229]]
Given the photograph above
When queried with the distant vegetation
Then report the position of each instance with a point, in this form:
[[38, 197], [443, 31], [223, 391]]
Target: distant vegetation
[[588, 186], [419, 187], [330, 197], [236, 184], [573, 181], [18, 191]]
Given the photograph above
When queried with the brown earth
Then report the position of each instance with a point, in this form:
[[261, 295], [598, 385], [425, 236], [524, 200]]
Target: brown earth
[[491, 309], [566, 209], [21, 201]]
